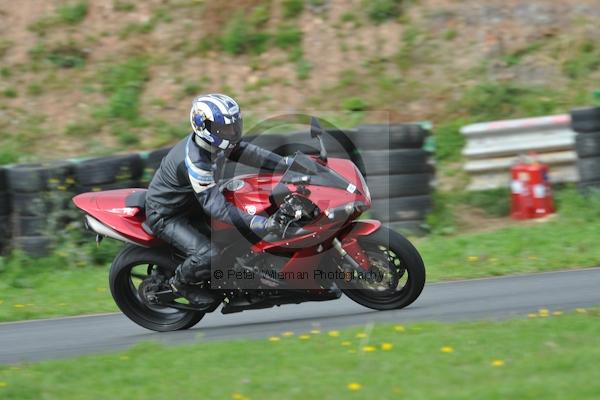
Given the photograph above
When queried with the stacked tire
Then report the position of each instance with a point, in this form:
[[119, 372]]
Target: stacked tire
[[586, 123], [399, 174], [5, 210], [108, 173], [37, 190]]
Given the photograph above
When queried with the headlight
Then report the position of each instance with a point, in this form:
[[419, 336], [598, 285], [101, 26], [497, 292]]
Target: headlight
[[363, 183]]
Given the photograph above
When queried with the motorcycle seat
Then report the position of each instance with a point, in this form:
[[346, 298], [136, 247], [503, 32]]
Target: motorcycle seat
[[137, 200]]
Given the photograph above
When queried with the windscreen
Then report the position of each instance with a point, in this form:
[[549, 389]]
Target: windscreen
[[304, 167]]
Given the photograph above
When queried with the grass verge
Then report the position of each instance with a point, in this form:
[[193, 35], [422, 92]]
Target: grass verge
[[549, 357]]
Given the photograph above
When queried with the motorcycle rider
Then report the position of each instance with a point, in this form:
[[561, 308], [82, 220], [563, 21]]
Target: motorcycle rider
[[186, 185]]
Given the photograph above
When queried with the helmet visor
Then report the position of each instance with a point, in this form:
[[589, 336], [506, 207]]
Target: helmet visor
[[231, 132]]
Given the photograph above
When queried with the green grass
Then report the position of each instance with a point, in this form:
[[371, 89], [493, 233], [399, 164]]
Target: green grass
[[123, 84], [73, 13], [569, 240], [584, 62], [547, 357], [382, 10], [73, 281], [515, 57], [68, 55], [241, 37], [123, 6], [492, 101], [292, 8], [10, 93], [354, 104], [65, 14], [5, 45], [449, 142], [287, 37]]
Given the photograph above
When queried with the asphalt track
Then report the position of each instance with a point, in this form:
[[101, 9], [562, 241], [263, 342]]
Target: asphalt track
[[493, 298]]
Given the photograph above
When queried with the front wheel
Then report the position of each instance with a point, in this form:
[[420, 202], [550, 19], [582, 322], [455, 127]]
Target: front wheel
[[396, 269], [130, 268]]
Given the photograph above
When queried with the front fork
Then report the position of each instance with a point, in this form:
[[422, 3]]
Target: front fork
[[349, 248], [352, 253]]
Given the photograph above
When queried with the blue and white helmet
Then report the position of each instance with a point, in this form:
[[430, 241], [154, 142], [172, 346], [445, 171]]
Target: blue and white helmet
[[217, 119]]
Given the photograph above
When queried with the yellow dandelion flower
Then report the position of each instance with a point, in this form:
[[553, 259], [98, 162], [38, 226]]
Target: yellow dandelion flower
[[333, 333], [581, 310], [532, 315], [304, 337], [346, 343], [447, 349], [369, 349], [386, 346], [472, 258], [557, 313], [238, 396], [3, 384], [361, 335], [497, 363], [399, 328], [354, 386], [124, 358], [20, 306], [544, 312], [315, 332], [274, 339], [287, 334]]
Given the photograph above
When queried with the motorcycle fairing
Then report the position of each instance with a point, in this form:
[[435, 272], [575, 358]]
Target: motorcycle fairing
[[110, 209]]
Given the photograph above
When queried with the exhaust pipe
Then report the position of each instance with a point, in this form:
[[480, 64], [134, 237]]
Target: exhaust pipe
[[102, 230]]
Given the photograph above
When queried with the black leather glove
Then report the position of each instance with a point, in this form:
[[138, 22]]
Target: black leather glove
[[261, 225]]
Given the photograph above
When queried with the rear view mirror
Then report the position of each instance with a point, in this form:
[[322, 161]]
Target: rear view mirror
[[315, 128], [317, 132]]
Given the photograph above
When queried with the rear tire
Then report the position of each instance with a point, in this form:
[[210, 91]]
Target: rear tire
[[161, 319], [411, 264]]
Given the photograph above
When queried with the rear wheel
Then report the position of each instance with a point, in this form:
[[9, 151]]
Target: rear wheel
[[130, 268], [399, 270]]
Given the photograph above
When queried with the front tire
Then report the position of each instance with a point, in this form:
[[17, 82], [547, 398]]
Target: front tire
[[125, 293], [388, 249]]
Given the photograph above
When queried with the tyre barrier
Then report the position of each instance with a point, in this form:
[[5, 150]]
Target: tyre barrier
[[394, 136], [398, 171], [586, 123], [37, 191], [101, 171]]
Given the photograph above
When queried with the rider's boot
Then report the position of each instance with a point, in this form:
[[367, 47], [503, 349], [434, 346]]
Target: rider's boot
[[196, 294]]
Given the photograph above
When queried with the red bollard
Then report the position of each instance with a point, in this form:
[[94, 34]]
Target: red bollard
[[531, 194]]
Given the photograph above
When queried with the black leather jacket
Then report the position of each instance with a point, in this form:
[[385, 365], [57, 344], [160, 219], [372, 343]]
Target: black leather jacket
[[188, 176]]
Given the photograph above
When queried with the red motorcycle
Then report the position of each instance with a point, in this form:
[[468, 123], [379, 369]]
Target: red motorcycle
[[324, 250]]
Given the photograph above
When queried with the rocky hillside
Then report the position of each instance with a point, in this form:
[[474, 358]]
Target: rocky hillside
[[88, 77]]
